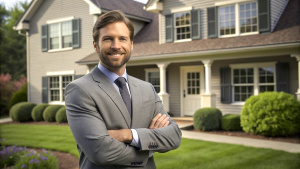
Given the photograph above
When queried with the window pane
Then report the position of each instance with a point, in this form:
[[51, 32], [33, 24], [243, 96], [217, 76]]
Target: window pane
[[248, 17], [266, 75], [193, 82], [154, 79], [54, 36], [182, 25], [227, 20], [241, 93]]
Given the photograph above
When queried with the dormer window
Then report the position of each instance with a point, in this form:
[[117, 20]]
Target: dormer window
[[238, 19], [183, 26], [241, 18]]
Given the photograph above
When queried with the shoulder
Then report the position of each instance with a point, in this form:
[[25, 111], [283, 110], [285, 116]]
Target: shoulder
[[137, 81]]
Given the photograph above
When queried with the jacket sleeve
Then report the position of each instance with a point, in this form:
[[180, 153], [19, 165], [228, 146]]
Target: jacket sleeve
[[161, 139], [91, 135]]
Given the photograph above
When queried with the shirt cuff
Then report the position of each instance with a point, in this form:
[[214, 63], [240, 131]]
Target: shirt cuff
[[135, 141]]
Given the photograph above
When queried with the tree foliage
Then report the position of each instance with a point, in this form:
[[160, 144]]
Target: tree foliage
[[12, 45]]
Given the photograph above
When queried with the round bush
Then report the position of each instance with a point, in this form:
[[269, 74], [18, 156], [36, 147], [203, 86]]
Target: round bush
[[19, 96], [37, 112], [50, 112], [61, 115], [271, 114], [231, 122], [207, 119], [21, 111]]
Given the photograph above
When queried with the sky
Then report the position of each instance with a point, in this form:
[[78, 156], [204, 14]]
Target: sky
[[10, 3]]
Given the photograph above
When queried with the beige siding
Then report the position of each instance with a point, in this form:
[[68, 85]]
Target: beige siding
[[277, 7], [43, 62], [236, 109]]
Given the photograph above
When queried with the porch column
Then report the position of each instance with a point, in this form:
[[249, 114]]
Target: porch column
[[164, 96], [208, 99], [298, 91]]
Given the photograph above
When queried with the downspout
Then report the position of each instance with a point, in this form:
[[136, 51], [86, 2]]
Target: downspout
[[28, 63]]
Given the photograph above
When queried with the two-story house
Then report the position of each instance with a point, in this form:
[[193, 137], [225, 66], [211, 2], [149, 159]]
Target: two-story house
[[208, 53]]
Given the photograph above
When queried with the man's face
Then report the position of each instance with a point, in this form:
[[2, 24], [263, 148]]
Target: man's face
[[114, 46]]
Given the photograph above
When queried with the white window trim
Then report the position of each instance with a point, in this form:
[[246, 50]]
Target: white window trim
[[182, 9], [175, 33], [59, 74], [255, 84], [59, 21], [236, 4]]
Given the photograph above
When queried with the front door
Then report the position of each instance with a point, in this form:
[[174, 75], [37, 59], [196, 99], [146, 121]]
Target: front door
[[192, 86]]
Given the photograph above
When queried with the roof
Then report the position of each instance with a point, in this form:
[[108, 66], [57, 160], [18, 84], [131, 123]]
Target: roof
[[129, 7]]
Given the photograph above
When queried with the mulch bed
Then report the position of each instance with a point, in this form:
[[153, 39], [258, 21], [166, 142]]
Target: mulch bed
[[68, 161]]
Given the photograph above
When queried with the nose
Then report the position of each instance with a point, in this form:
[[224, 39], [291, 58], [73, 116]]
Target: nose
[[115, 45]]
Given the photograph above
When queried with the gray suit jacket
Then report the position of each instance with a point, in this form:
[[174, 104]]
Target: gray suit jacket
[[95, 106]]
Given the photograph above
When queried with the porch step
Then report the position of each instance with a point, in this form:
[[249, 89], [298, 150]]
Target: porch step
[[183, 119]]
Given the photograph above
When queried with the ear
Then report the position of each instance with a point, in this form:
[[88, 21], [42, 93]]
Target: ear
[[131, 45], [96, 47]]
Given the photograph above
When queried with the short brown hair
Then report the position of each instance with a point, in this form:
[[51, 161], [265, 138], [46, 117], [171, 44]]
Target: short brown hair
[[111, 17]]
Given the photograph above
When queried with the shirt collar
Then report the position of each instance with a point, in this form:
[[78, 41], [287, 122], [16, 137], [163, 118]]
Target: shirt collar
[[109, 74]]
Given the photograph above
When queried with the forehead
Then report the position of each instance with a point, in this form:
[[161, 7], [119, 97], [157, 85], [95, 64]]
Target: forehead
[[115, 29]]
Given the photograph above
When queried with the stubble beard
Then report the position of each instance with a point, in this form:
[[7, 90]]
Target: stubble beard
[[108, 62]]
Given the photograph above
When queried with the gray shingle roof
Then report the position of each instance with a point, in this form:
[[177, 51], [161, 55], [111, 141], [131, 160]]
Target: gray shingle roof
[[146, 41]]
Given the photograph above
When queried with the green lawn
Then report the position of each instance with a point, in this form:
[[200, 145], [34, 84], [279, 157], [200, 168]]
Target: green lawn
[[192, 154]]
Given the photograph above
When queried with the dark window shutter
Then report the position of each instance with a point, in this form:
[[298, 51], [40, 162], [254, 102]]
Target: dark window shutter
[[195, 24], [76, 32], [44, 38], [282, 77], [226, 94], [45, 89], [264, 16], [212, 22], [77, 76], [169, 28]]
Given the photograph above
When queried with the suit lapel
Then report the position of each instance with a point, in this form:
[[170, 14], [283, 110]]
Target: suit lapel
[[136, 100], [109, 89]]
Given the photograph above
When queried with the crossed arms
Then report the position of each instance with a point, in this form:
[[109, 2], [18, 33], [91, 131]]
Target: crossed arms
[[102, 136]]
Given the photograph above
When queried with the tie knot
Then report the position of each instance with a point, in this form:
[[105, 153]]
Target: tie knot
[[120, 81]]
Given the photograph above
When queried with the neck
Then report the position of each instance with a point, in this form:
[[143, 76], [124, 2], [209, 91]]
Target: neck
[[119, 71]]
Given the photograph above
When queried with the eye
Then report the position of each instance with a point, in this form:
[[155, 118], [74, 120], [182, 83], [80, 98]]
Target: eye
[[123, 39], [106, 39]]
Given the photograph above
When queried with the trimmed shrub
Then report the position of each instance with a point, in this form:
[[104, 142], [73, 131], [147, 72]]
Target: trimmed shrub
[[37, 112], [22, 111], [231, 122], [271, 114], [50, 112], [207, 119], [19, 96], [61, 115]]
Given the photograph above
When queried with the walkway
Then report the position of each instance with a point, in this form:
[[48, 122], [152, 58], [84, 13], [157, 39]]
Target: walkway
[[186, 122], [276, 145]]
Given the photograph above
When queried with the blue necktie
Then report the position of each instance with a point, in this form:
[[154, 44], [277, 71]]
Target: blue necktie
[[121, 83]]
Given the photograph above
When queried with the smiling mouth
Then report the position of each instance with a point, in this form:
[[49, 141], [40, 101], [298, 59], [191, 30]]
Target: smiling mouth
[[115, 54]]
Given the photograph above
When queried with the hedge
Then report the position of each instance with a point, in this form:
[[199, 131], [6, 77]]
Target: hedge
[[50, 112], [22, 111], [61, 115], [37, 112], [207, 119], [231, 122]]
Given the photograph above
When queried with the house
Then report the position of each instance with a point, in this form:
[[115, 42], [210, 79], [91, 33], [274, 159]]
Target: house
[[208, 53]]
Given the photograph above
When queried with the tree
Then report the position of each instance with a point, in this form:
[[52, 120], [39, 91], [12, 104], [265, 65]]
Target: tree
[[13, 45]]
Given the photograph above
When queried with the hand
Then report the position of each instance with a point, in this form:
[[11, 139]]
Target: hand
[[123, 135], [159, 121]]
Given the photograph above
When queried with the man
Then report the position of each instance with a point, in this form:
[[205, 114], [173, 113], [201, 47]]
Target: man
[[117, 120]]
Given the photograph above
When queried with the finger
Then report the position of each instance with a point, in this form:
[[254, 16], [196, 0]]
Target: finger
[[167, 123], [163, 122], [154, 121], [159, 120]]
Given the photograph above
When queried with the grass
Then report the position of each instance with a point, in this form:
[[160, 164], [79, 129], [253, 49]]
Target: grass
[[192, 154]]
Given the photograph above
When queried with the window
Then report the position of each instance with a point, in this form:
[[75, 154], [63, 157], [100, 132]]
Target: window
[[251, 79], [182, 25], [238, 19], [57, 86], [61, 34], [193, 79], [153, 77]]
